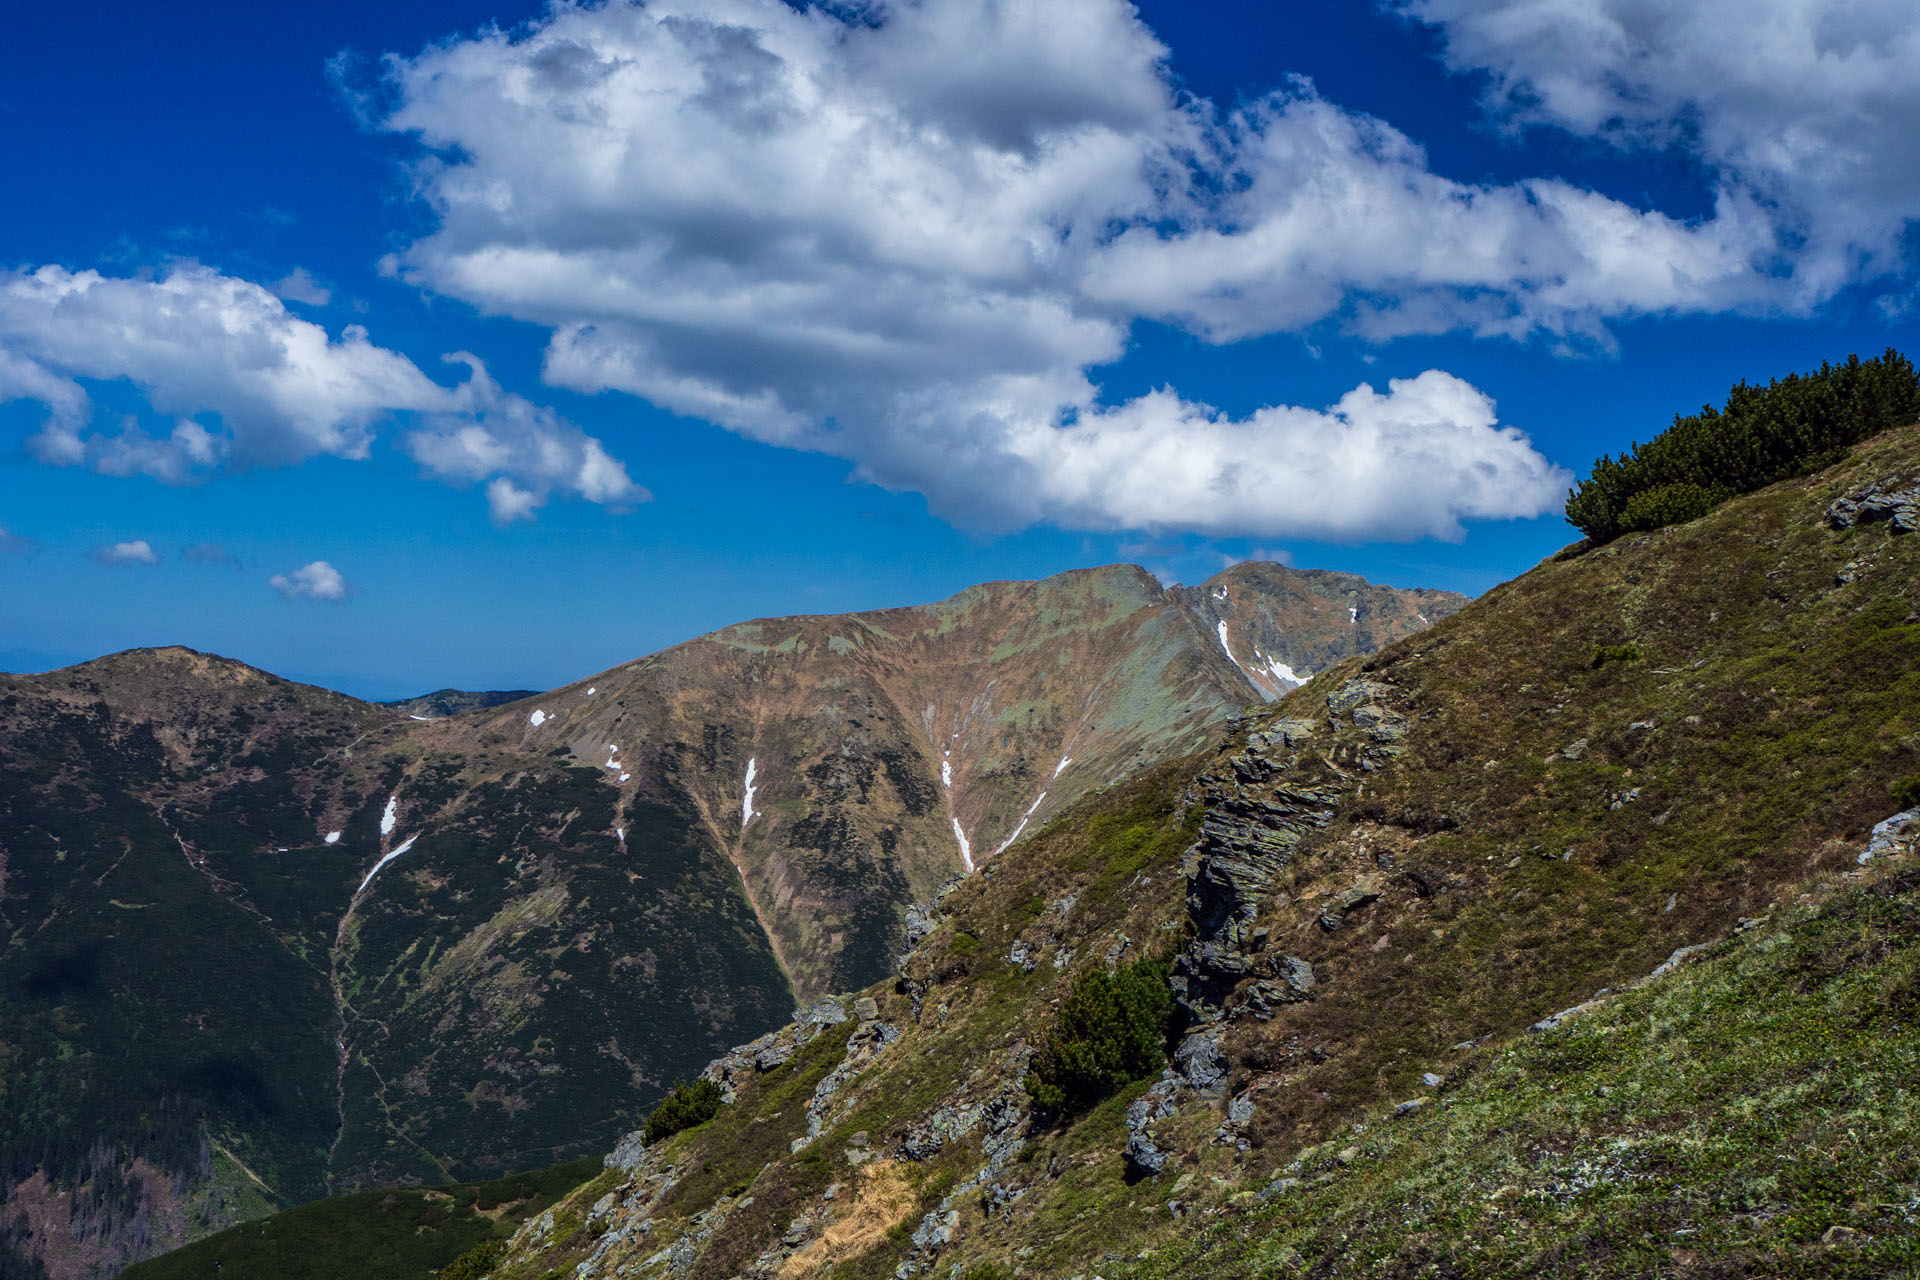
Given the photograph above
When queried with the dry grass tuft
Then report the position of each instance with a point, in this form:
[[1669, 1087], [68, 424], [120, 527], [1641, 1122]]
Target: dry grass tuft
[[883, 1201]]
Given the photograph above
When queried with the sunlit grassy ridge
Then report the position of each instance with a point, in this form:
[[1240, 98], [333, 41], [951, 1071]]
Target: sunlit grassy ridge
[[1753, 1114], [1619, 754]]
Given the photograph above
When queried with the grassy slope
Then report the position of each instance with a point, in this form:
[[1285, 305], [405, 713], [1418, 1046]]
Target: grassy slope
[[370, 1235], [1752, 1115], [1549, 827]]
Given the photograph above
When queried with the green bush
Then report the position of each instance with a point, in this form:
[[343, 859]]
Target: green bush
[[1670, 504], [1603, 654], [686, 1106], [1790, 427], [1906, 792], [1111, 1030], [475, 1262]]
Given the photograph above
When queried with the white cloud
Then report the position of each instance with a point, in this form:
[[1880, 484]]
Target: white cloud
[[905, 235], [277, 389], [529, 451], [1808, 108], [316, 581], [139, 551], [14, 544], [299, 285]]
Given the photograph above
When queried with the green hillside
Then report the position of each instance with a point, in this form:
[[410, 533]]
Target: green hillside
[[1369, 896], [402, 1234]]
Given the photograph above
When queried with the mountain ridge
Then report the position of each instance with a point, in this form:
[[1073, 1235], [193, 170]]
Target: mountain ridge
[[381, 945], [1452, 933]]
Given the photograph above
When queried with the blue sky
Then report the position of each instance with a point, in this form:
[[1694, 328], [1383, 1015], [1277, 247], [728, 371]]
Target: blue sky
[[795, 311]]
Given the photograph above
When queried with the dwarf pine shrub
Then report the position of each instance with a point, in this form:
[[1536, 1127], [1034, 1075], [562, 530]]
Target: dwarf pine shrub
[[684, 1107], [1111, 1030], [1790, 427]]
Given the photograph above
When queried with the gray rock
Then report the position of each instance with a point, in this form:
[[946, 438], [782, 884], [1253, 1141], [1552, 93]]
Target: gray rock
[[1877, 502], [1678, 958], [1890, 834], [866, 1009], [823, 1013], [774, 1055], [941, 1129], [628, 1152], [1355, 693], [1019, 955], [1144, 1160], [1363, 894], [1198, 1061]]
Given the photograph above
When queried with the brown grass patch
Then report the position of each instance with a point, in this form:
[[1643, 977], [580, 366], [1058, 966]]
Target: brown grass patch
[[883, 1201]]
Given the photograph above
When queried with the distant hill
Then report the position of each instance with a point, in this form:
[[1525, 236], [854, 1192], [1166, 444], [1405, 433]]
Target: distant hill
[[454, 702], [264, 941]]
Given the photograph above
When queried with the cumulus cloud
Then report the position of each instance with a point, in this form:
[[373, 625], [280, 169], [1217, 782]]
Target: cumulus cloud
[[1804, 108], [905, 234], [315, 581], [277, 389], [139, 551], [299, 285], [529, 451]]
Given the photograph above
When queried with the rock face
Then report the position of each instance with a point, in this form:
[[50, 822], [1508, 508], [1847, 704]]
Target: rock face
[[1255, 820]]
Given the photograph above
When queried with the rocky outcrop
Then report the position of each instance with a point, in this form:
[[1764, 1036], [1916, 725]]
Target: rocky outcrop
[[774, 1048], [1253, 826], [1899, 507]]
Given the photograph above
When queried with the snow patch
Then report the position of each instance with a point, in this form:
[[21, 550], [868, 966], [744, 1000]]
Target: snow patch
[[620, 833], [625, 776], [746, 805], [422, 717], [1281, 672], [591, 692], [1002, 846], [966, 850], [1353, 616], [1219, 593], [333, 837], [946, 774], [1228, 649], [404, 846], [391, 816], [537, 719], [1062, 766]]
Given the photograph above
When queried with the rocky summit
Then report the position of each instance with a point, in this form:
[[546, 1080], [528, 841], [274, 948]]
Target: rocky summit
[[265, 942], [1577, 935]]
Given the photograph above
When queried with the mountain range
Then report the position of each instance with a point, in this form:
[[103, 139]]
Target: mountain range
[[265, 941], [1577, 935]]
